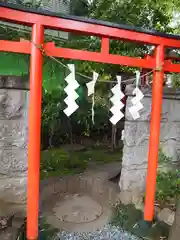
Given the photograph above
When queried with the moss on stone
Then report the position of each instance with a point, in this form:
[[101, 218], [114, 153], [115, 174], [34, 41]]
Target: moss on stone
[[59, 162], [130, 219]]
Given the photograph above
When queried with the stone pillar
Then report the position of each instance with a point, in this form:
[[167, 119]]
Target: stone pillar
[[135, 151], [13, 144], [175, 229]]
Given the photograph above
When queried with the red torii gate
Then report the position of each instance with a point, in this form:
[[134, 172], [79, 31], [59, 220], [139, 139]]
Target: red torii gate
[[39, 20]]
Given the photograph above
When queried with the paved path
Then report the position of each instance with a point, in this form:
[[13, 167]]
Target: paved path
[[69, 192]]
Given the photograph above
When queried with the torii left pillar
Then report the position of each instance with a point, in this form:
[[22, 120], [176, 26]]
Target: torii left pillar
[[157, 93], [34, 140]]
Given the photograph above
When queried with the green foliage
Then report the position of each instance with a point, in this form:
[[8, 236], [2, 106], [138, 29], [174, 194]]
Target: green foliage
[[176, 80], [58, 129], [153, 14], [18, 64], [130, 219], [79, 7], [168, 186], [168, 182], [150, 15], [53, 77], [53, 118], [55, 162], [99, 156], [46, 231], [51, 159], [59, 162], [125, 216], [162, 158], [14, 64]]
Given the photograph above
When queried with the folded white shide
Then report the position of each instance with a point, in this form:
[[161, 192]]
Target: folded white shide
[[136, 101], [72, 96], [118, 95], [91, 91]]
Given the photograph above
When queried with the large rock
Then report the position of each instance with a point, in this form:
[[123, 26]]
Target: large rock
[[136, 140], [167, 216], [13, 144], [175, 230]]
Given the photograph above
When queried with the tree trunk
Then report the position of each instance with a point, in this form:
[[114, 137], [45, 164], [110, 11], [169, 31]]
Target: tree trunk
[[70, 131], [113, 138], [51, 138]]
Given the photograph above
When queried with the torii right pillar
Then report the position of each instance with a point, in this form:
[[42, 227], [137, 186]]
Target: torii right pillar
[[157, 91]]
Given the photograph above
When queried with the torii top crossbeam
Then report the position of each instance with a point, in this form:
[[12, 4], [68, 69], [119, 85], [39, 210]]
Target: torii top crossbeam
[[85, 26], [39, 20]]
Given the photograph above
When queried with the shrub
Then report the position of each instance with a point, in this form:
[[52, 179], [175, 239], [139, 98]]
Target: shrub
[[168, 183]]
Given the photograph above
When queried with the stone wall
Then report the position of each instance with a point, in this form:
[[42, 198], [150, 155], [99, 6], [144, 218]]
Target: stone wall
[[135, 151], [13, 144]]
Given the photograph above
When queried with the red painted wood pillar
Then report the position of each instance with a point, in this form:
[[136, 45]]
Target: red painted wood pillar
[[157, 91], [34, 140]]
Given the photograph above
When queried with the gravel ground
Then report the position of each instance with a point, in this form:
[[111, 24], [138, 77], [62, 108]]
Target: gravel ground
[[107, 233]]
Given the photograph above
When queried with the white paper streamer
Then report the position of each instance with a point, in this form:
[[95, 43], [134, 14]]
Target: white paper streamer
[[136, 101], [169, 82], [91, 90], [122, 135], [70, 91], [116, 101]]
